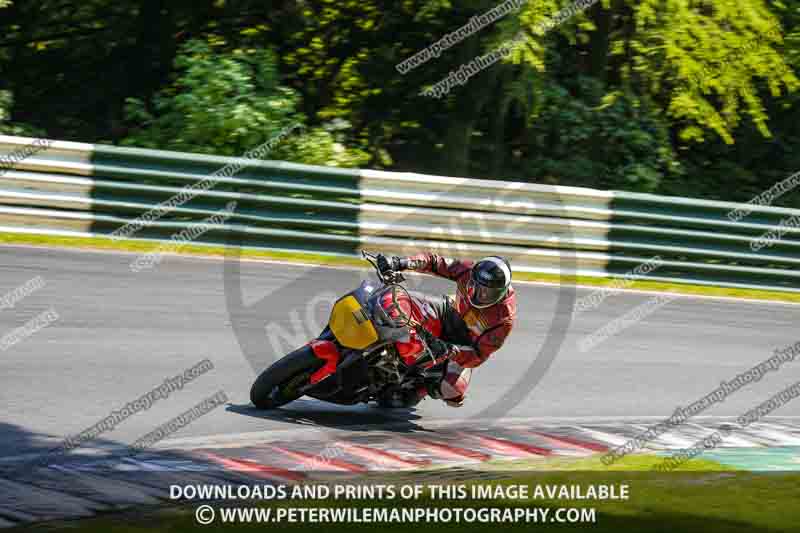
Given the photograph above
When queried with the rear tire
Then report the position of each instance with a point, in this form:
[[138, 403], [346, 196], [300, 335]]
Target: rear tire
[[277, 384]]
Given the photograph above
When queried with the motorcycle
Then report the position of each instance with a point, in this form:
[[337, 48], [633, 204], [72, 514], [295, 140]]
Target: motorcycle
[[372, 349]]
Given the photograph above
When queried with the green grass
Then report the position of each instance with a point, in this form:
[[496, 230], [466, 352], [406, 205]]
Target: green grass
[[133, 245], [702, 498], [659, 286], [629, 463]]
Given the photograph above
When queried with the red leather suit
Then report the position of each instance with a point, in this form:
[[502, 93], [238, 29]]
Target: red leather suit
[[475, 334]]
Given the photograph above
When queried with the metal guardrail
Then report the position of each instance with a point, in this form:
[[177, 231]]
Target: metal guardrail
[[91, 190]]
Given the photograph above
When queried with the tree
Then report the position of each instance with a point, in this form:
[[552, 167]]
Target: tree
[[227, 101]]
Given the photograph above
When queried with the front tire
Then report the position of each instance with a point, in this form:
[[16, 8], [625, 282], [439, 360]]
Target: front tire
[[278, 384]]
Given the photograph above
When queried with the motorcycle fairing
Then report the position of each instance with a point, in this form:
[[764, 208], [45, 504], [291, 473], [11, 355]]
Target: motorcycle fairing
[[361, 320], [346, 384], [327, 351]]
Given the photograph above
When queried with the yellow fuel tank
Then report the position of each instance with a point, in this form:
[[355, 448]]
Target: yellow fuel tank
[[351, 324]]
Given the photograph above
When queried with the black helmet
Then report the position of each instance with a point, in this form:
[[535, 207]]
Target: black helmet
[[488, 282]]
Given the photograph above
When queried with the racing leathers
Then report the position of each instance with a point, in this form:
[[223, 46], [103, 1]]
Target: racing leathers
[[471, 335]]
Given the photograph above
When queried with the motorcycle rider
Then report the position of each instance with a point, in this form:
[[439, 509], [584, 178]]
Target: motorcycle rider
[[472, 326]]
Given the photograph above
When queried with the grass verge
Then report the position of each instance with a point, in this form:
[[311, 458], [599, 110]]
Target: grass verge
[[133, 245]]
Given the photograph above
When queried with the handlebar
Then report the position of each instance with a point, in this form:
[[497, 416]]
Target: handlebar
[[389, 277]]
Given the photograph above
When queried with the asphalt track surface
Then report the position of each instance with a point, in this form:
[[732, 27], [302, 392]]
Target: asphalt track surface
[[122, 333]]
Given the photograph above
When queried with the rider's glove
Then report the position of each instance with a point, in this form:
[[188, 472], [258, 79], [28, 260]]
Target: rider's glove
[[384, 265], [399, 263], [391, 264]]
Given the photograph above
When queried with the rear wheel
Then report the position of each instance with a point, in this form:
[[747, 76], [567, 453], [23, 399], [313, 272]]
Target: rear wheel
[[279, 384]]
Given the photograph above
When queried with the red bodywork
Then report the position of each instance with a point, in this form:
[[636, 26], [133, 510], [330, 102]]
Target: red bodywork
[[327, 351], [421, 313], [408, 351]]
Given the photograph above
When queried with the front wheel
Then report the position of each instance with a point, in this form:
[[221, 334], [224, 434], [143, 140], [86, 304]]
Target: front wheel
[[279, 384]]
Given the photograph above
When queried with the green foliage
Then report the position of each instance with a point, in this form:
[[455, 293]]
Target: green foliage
[[709, 62], [14, 128], [220, 103], [618, 144], [689, 97], [325, 145], [227, 102]]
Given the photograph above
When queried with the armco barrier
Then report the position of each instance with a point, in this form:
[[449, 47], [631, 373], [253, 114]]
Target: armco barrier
[[77, 189]]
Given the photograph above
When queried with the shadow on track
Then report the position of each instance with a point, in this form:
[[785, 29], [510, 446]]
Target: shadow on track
[[353, 418]]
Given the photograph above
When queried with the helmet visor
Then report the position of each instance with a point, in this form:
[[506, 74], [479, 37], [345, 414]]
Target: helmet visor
[[482, 296]]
